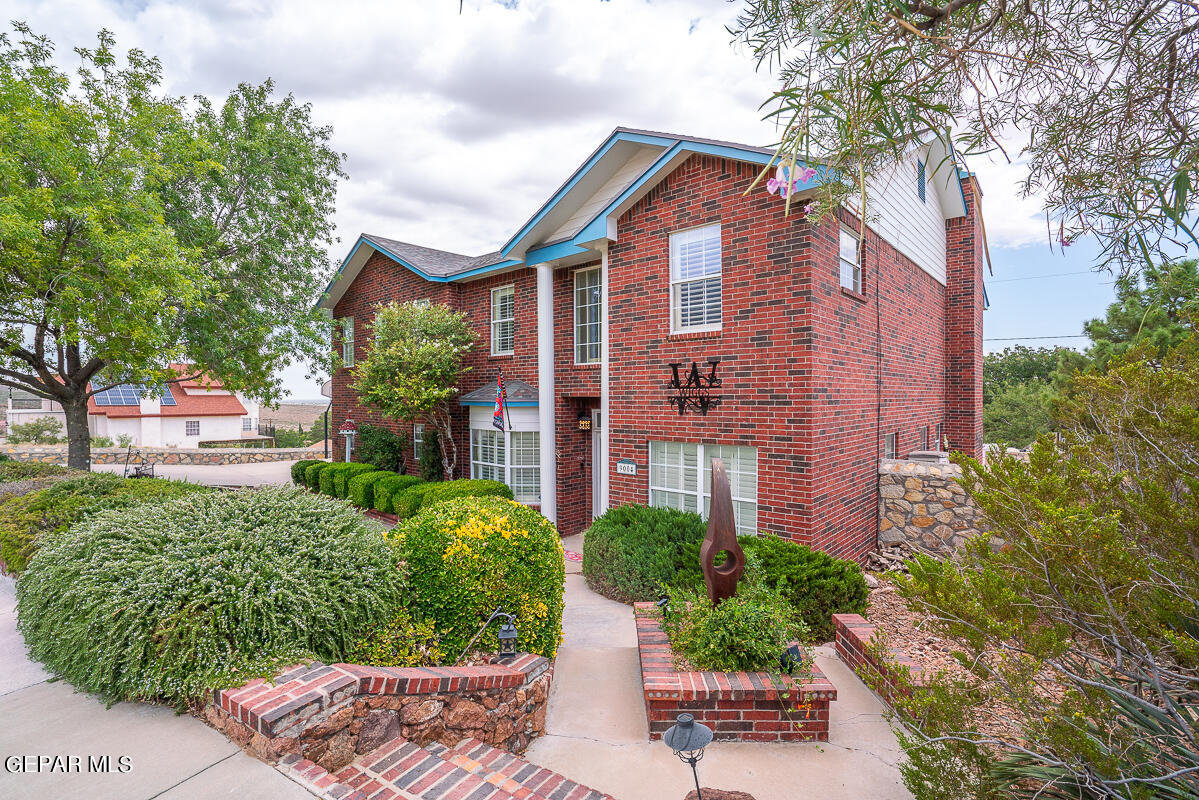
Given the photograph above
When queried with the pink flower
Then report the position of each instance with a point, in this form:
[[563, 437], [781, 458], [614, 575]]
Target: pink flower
[[806, 174], [809, 208]]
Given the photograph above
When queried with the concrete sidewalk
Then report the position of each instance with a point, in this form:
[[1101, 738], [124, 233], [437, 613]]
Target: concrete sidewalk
[[168, 756], [257, 474], [597, 732]]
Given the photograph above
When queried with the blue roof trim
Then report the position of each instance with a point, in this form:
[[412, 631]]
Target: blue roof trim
[[619, 136], [554, 251], [513, 404]]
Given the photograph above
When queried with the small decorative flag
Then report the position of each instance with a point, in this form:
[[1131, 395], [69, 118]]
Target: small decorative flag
[[501, 397]]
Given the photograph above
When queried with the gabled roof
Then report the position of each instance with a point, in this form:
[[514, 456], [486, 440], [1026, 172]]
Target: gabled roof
[[186, 399], [439, 263], [519, 394]]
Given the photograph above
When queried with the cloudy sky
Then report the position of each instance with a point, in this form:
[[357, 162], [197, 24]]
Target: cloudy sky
[[456, 127]]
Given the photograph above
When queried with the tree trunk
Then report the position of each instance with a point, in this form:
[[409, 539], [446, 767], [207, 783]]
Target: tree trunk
[[445, 440], [79, 439]]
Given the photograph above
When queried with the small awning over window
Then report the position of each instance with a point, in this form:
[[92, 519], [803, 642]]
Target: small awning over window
[[519, 394]]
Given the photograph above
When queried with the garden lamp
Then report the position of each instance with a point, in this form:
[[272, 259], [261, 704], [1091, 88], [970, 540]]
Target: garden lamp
[[688, 738], [507, 636], [790, 659]]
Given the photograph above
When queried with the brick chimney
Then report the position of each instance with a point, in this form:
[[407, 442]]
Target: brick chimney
[[964, 326]]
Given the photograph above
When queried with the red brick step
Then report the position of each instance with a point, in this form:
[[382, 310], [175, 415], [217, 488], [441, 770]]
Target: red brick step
[[517, 776]]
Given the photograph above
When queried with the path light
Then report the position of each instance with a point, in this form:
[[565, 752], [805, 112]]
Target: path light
[[688, 738], [790, 659], [507, 636]]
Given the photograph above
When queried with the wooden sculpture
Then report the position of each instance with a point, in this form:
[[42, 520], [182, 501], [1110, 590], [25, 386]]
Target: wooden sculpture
[[722, 538]]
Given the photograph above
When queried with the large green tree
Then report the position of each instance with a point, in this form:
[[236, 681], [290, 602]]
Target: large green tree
[[1101, 98], [1017, 364], [414, 365], [139, 230]]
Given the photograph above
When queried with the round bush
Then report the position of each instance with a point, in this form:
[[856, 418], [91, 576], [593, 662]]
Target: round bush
[[169, 600], [634, 552], [414, 498], [387, 489], [24, 520], [468, 555]]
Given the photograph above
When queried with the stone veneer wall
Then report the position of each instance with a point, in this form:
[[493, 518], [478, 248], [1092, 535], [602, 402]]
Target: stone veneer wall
[[923, 503], [737, 706], [57, 454], [330, 714]]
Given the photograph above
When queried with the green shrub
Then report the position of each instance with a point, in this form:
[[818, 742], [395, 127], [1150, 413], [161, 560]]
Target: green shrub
[[300, 467], [633, 552], [470, 554], [381, 447], [387, 489], [361, 488], [312, 475], [748, 632], [400, 642], [415, 498], [25, 520], [341, 478], [23, 470], [43, 430], [170, 600], [102, 441], [431, 467]]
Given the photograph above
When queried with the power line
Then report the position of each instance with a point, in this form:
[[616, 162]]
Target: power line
[[1040, 277], [1022, 338]]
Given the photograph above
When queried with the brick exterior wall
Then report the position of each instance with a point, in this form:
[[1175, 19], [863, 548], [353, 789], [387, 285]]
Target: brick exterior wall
[[814, 376], [737, 706], [858, 648]]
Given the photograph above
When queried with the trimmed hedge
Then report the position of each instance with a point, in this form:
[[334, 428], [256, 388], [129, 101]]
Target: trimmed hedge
[[312, 475], [168, 601], [361, 488], [23, 470], [634, 553], [24, 520], [471, 554], [387, 489], [341, 478], [298, 468], [414, 499]]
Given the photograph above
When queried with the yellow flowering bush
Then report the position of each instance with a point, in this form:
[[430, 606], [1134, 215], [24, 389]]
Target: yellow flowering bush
[[467, 555]]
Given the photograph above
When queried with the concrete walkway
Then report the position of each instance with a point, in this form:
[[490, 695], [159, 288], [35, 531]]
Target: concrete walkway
[[257, 474], [597, 732], [170, 757]]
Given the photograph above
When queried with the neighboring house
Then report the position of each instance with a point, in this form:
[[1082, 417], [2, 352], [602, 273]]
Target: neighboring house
[[834, 349], [183, 414]]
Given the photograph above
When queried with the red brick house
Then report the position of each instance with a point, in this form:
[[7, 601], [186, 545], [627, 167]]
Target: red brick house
[[834, 349]]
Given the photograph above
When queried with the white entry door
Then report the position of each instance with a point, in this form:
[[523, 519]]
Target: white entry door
[[597, 462]]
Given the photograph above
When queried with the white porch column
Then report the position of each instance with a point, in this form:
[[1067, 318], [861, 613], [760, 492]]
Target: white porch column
[[605, 377], [545, 391]]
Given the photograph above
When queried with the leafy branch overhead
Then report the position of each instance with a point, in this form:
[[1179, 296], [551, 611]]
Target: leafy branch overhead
[[139, 230], [1104, 97]]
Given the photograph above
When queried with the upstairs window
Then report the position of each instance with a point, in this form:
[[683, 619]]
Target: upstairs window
[[347, 341], [503, 321], [589, 327], [851, 261], [920, 180], [695, 260]]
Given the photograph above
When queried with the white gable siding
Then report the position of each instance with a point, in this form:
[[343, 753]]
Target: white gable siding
[[629, 172], [914, 228]]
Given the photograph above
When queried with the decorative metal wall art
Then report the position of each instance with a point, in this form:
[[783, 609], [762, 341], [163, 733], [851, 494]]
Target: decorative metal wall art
[[694, 392]]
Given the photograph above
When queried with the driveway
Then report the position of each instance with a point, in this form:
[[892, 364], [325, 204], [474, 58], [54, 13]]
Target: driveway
[[56, 742], [259, 474]]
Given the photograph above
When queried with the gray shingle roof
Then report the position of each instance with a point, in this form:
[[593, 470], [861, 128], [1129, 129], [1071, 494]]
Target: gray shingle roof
[[438, 263], [517, 390]]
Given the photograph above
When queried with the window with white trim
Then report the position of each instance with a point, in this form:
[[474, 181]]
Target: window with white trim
[[418, 438], [851, 261], [924, 437], [489, 451], [674, 479], [191, 427], [695, 263], [941, 436], [891, 445], [347, 341], [247, 423], [503, 320], [422, 302], [589, 326]]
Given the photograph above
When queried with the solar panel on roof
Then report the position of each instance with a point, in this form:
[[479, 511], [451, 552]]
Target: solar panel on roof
[[167, 398], [123, 395]]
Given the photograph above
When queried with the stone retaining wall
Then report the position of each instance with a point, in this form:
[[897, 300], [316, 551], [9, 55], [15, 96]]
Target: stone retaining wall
[[737, 706], [57, 454], [924, 504], [330, 714]]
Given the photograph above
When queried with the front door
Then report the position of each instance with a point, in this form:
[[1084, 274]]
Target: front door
[[597, 463]]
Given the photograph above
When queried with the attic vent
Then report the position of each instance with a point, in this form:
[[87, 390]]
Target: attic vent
[[920, 180]]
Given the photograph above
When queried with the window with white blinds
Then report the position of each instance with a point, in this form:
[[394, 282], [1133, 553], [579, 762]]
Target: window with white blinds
[[695, 260], [512, 457], [503, 321], [674, 479], [418, 438]]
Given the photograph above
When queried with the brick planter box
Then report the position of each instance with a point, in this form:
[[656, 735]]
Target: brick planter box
[[854, 642], [738, 706], [330, 714]]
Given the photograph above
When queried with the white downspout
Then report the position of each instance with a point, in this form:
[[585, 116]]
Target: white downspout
[[545, 391], [605, 378]]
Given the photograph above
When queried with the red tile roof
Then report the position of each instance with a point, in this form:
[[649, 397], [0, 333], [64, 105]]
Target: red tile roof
[[196, 403]]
